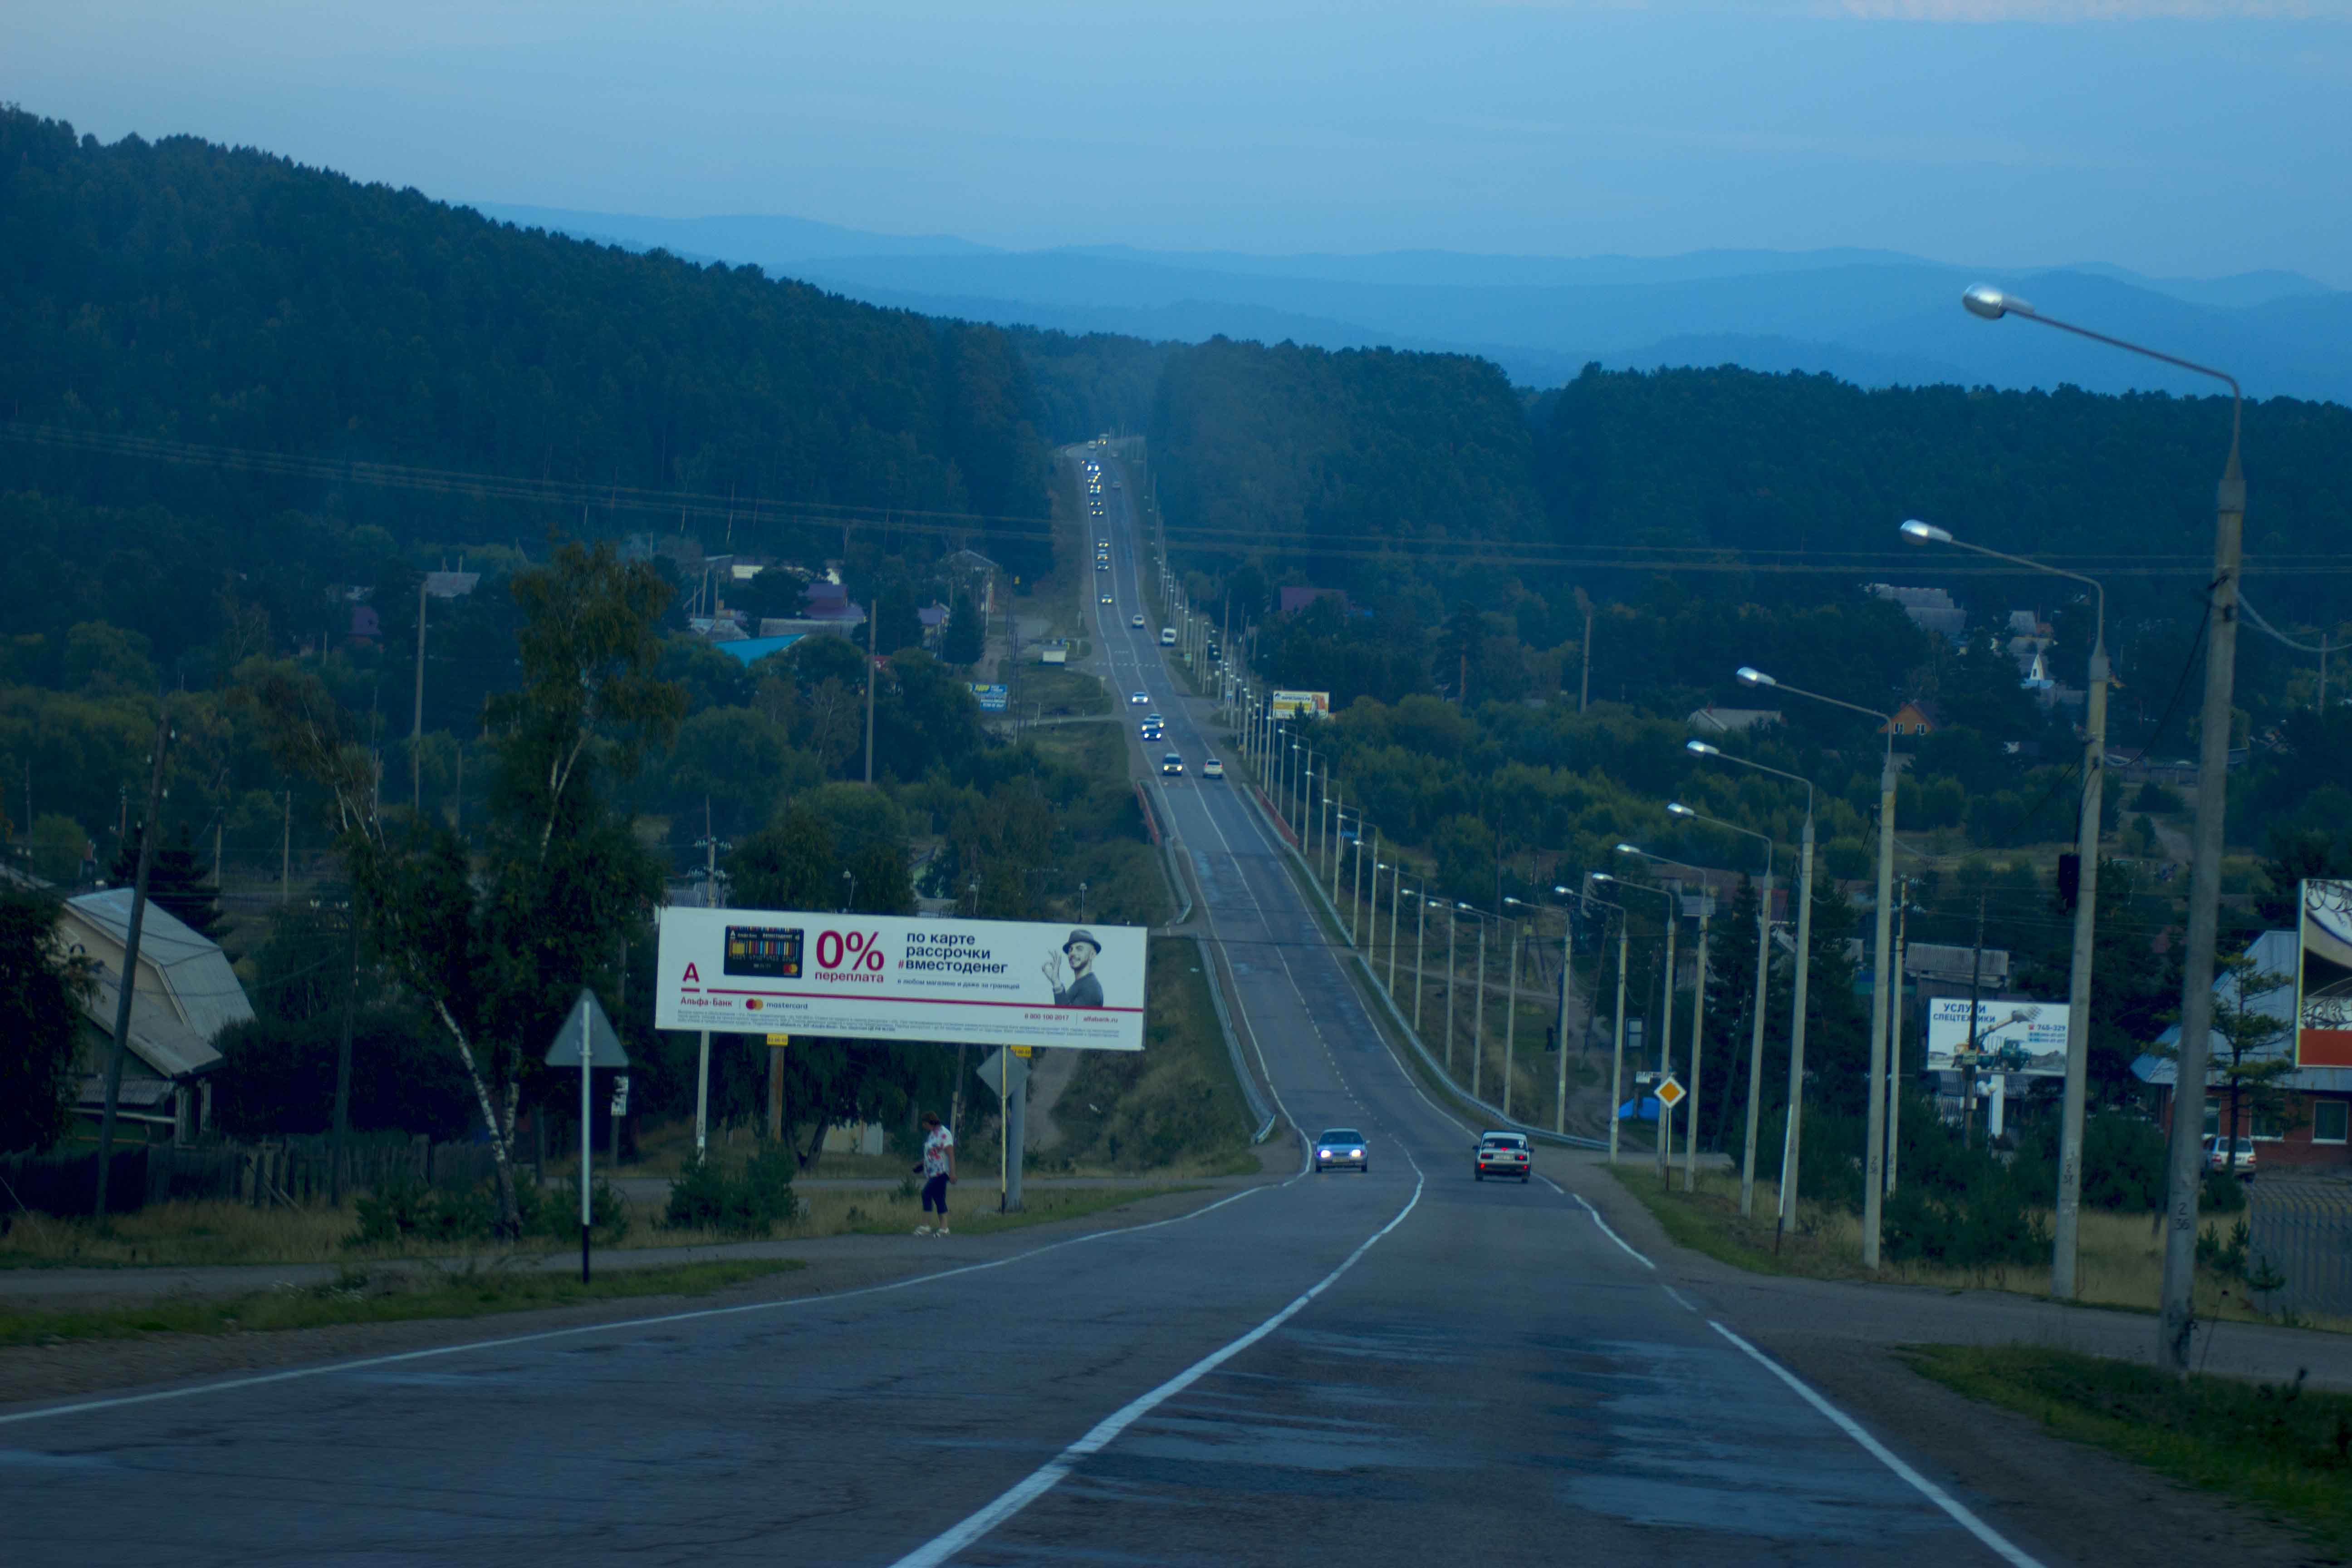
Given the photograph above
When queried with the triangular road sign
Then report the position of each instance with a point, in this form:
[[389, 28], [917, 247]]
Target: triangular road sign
[[587, 1021]]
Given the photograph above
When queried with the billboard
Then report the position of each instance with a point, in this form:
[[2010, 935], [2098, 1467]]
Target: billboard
[[992, 697], [887, 978], [1289, 704], [2323, 980], [2011, 1037]]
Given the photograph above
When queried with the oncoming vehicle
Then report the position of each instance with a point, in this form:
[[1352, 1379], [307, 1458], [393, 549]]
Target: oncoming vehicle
[[1340, 1146], [1504, 1154], [1214, 768], [1106, 598], [1153, 730], [1171, 764], [1138, 698], [1135, 621]]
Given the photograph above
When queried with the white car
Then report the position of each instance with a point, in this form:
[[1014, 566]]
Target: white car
[[1504, 1154], [1138, 698], [1135, 621], [1167, 637], [1214, 768]]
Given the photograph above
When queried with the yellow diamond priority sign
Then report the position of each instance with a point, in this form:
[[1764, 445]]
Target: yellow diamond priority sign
[[1670, 1094]]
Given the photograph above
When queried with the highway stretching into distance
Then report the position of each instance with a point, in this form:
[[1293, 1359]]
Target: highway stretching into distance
[[1403, 1367]]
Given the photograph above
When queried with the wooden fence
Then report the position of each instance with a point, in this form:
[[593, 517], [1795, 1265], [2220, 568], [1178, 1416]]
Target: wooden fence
[[293, 1171]]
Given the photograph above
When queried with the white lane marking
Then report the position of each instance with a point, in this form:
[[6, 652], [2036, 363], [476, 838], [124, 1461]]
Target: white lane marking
[[1677, 1295], [2000, 1544], [1046, 1476], [1612, 1234], [325, 1369]]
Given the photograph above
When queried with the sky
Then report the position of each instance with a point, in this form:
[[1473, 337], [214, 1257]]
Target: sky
[[2176, 137]]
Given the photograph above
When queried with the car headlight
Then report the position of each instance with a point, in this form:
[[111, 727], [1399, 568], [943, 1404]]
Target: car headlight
[[1355, 1153], [1322, 1154]]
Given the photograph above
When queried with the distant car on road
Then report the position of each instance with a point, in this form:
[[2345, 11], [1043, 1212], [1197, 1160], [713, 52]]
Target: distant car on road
[[1138, 698], [1167, 637], [1102, 544], [1106, 598], [2239, 1161], [1171, 764], [1135, 621], [1504, 1154], [1338, 1146], [1152, 731], [1214, 768]]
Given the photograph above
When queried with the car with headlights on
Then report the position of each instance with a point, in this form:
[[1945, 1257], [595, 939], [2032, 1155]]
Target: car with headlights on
[[1505, 1155], [1341, 1148]]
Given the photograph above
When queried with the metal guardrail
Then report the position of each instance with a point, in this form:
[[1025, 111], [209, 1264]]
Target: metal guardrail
[[2302, 1231]]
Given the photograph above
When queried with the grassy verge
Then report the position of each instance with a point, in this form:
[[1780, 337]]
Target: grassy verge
[[2120, 1263], [1175, 1104], [2282, 1448], [972, 1207], [358, 1296]]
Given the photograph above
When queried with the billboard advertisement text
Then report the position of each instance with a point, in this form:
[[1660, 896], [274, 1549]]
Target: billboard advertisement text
[[2011, 1037], [2322, 982], [885, 977]]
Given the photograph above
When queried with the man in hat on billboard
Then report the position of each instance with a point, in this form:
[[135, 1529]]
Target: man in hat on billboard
[[1084, 990]]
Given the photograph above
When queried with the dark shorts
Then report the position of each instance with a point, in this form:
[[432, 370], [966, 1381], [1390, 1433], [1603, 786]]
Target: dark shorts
[[935, 1195]]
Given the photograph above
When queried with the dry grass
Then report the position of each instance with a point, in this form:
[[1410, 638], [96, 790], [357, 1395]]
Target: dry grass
[[2121, 1263], [197, 1235]]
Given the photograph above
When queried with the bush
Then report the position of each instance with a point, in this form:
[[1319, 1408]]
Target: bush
[[2154, 797], [2223, 1193], [750, 1200], [413, 1212]]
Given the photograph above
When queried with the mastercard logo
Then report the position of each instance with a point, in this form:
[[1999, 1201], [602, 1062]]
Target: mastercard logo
[[751, 1004]]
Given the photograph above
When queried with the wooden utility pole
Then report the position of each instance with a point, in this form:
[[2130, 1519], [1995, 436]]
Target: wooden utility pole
[[873, 614], [343, 1047], [127, 982], [285, 855], [1584, 684], [416, 729]]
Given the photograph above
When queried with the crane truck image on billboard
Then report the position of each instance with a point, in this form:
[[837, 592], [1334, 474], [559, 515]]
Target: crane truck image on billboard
[[885, 977]]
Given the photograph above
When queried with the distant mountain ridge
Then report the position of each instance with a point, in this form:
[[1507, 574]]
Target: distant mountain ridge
[[1878, 318]]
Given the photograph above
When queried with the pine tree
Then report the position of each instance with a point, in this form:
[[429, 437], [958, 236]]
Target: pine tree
[[176, 882]]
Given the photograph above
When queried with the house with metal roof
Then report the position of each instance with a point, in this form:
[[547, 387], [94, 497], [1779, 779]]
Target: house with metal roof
[[183, 995], [2317, 1129]]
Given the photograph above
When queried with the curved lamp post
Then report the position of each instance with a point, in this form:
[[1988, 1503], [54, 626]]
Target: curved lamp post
[[2065, 1248], [1873, 1168], [1617, 1048], [1792, 1138], [1666, 1022], [1763, 971], [2184, 1172]]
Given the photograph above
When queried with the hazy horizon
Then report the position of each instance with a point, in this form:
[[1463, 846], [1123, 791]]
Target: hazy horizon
[[2174, 138]]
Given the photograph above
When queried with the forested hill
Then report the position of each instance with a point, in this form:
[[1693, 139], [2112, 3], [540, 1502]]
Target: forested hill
[[182, 290], [1326, 456]]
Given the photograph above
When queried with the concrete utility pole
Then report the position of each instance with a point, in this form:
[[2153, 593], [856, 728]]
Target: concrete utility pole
[[343, 1045], [1756, 1046], [1560, 1063], [1698, 1040], [127, 983], [1478, 1023], [874, 615], [1511, 1016], [2177, 1317], [1792, 1138], [1895, 1039], [285, 855], [1453, 933], [1666, 1039], [416, 729]]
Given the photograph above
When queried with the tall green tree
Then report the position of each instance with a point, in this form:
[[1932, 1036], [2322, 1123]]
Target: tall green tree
[[496, 951], [42, 989]]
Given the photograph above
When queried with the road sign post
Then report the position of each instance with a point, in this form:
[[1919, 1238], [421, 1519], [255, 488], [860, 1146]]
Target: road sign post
[[1008, 1069], [588, 1041]]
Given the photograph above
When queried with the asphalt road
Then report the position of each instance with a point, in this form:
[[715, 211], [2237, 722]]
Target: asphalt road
[[1401, 1367]]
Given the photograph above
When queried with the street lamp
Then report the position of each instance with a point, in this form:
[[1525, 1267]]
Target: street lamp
[[1873, 1168], [1763, 968], [1617, 1048], [2183, 1174], [1667, 1024], [1396, 899], [1559, 1027], [2066, 1247], [1698, 1004], [1478, 1006], [1793, 1137], [1420, 896]]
